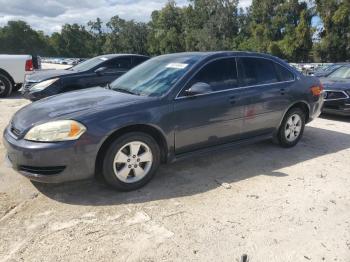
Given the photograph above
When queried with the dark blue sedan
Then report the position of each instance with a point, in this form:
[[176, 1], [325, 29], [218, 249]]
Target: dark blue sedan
[[337, 92], [170, 107]]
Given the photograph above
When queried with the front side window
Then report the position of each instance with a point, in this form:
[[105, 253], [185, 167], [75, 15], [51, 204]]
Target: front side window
[[89, 64], [257, 71], [220, 75]]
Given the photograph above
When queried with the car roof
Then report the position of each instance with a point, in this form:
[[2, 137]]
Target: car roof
[[222, 54], [109, 56]]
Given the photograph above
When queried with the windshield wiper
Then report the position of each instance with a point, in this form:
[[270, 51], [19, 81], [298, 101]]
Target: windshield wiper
[[124, 91]]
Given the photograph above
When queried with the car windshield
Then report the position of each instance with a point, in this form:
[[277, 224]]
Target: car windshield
[[324, 68], [155, 76], [343, 72], [89, 64]]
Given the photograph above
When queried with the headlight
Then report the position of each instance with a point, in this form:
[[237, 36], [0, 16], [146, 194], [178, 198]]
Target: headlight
[[61, 130], [42, 85]]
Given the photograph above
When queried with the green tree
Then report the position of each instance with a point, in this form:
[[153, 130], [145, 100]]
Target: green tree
[[211, 24], [334, 45], [282, 28], [73, 41], [18, 37], [126, 36], [98, 36], [166, 30]]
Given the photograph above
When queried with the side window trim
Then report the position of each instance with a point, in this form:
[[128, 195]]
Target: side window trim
[[240, 86], [279, 73], [199, 69], [274, 64], [273, 61], [118, 58]]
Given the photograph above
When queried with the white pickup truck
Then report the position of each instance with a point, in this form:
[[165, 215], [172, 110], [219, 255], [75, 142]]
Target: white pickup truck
[[13, 69]]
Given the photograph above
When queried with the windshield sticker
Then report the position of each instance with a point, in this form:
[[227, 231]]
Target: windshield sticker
[[177, 65]]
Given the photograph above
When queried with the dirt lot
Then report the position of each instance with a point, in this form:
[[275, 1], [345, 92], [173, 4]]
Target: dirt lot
[[270, 203]]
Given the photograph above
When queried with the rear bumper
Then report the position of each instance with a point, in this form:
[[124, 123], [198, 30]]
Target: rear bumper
[[50, 162], [315, 109]]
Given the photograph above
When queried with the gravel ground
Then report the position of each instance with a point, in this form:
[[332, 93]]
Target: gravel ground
[[270, 203]]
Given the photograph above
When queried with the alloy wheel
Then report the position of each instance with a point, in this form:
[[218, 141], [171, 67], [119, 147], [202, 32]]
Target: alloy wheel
[[132, 162], [293, 128]]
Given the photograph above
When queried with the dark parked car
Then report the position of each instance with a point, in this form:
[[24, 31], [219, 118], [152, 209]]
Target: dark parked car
[[337, 92], [97, 71], [167, 108]]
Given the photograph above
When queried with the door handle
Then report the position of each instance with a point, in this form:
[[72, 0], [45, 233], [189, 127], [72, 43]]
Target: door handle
[[283, 91], [232, 100]]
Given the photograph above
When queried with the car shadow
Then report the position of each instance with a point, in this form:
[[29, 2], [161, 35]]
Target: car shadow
[[336, 117], [14, 95], [205, 173]]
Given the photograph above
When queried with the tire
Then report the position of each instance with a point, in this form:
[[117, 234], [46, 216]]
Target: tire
[[292, 128], [16, 87], [5, 86], [123, 168]]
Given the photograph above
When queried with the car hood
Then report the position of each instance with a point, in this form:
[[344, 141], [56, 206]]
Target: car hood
[[335, 83], [71, 105], [48, 74]]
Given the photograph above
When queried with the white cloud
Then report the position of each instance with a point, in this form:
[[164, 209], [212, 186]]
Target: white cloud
[[50, 15]]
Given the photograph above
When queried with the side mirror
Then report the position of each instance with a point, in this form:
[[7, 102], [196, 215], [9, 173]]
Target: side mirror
[[100, 70], [199, 89]]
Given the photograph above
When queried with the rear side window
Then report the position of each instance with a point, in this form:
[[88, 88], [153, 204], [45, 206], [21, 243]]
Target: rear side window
[[138, 60], [257, 71], [220, 74], [121, 63], [283, 73]]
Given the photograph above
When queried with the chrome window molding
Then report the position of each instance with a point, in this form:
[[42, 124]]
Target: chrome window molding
[[178, 97]]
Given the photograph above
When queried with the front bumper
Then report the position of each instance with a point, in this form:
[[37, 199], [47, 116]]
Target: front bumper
[[33, 96], [50, 162], [28, 93], [337, 107]]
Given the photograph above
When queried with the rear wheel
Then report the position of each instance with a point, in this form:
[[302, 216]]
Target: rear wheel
[[5, 86], [131, 161], [292, 128]]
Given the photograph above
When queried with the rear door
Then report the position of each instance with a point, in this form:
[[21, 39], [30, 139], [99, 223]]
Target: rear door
[[213, 118], [266, 94]]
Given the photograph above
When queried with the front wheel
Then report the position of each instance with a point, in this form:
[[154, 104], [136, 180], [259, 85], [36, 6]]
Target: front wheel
[[292, 128], [131, 161]]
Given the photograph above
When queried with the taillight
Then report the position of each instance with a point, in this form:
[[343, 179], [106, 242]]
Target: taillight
[[317, 90], [29, 65]]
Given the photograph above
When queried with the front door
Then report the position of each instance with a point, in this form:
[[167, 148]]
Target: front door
[[212, 118]]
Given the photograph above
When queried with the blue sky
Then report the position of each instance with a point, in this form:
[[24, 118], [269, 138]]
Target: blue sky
[[50, 15]]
